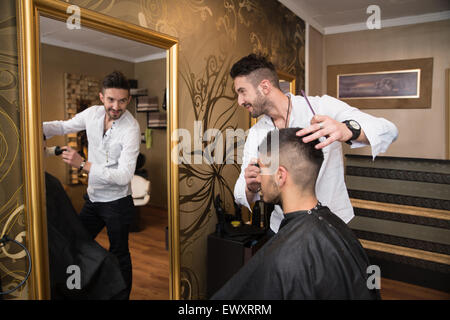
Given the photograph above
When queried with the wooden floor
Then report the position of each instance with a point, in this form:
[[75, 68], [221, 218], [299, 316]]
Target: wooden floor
[[151, 265], [396, 290], [148, 255]]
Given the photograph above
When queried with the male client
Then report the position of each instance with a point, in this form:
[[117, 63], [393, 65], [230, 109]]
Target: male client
[[314, 255], [71, 246]]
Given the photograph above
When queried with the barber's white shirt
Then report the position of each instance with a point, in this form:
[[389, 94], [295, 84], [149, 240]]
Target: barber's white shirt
[[330, 186], [112, 155]]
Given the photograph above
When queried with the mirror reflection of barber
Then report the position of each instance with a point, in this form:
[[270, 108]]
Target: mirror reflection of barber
[[113, 136], [257, 86]]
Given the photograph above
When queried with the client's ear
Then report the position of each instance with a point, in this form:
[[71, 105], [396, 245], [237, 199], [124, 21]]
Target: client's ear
[[281, 176]]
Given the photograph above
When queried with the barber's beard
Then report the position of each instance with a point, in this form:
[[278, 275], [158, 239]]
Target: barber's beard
[[256, 112], [260, 106], [114, 114]]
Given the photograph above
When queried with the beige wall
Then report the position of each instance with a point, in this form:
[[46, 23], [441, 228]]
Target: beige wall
[[316, 63], [421, 131], [54, 62], [151, 75]]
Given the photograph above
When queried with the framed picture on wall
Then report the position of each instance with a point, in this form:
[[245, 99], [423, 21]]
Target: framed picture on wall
[[379, 85], [401, 84]]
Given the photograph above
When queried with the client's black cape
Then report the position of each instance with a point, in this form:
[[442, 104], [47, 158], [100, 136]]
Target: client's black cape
[[313, 256], [70, 244]]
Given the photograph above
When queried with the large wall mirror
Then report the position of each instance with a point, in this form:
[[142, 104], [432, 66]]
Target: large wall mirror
[[62, 67]]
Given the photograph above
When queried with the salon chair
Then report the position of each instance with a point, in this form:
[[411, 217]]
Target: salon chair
[[140, 191]]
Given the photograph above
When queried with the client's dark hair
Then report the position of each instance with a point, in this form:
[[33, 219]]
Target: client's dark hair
[[116, 80], [257, 68], [301, 160]]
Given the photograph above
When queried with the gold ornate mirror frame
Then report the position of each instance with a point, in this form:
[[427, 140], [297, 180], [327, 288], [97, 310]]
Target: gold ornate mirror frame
[[286, 77], [28, 12]]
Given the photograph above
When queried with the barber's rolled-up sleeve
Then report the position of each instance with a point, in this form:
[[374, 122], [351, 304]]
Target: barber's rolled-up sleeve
[[59, 128], [379, 132], [240, 196], [250, 152], [121, 174]]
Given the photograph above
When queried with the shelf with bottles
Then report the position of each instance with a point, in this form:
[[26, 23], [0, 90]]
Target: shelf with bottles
[[150, 105]]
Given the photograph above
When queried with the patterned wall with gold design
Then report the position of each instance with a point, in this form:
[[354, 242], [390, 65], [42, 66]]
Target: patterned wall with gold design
[[13, 264], [212, 35]]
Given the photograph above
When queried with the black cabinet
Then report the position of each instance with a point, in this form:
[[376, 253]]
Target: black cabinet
[[226, 256]]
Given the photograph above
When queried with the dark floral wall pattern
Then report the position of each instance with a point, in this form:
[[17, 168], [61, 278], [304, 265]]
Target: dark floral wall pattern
[[170, 17], [103, 6], [200, 183], [13, 264], [236, 14], [206, 93]]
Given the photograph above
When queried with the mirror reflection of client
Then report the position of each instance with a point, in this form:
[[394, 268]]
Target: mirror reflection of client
[[70, 246], [113, 147], [314, 255]]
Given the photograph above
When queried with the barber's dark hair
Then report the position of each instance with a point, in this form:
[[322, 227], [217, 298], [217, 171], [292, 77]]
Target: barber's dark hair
[[116, 80], [302, 160], [257, 68]]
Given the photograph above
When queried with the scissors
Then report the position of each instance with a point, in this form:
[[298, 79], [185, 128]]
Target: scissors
[[307, 101]]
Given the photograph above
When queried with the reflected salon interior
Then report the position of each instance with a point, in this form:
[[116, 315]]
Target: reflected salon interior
[[73, 65]]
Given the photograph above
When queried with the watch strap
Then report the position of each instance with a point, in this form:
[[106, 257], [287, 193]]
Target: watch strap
[[83, 163], [355, 132]]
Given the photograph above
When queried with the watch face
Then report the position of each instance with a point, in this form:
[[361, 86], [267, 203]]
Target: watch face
[[354, 124]]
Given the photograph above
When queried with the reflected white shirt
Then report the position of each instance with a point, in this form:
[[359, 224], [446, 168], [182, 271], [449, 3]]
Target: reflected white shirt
[[112, 155], [331, 190]]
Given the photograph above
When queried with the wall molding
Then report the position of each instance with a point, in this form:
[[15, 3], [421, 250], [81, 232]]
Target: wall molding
[[296, 8], [88, 49], [408, 252], [386, 23]]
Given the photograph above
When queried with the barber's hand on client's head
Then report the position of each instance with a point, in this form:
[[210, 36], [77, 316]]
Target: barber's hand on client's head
[[325, 126], [251, 174], [72, 157]]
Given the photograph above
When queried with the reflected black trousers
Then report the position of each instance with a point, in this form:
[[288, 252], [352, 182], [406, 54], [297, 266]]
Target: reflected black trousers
[[117, 216]]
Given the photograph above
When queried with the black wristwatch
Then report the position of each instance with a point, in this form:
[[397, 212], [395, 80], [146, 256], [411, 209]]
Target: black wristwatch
[[83, 163], [355, 128]]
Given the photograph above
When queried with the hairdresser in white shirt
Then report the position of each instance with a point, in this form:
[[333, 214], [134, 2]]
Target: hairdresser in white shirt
[[113, 136], [333, 121]]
